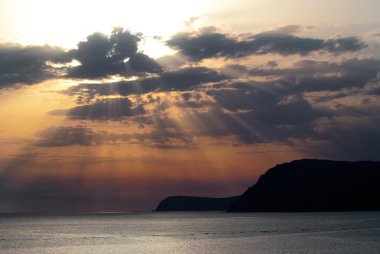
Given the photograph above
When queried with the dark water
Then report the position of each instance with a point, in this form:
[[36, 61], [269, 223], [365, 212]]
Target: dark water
[[352, 232]]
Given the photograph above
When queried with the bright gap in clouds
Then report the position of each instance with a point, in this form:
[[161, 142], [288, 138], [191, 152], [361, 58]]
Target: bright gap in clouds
[[65, 23]]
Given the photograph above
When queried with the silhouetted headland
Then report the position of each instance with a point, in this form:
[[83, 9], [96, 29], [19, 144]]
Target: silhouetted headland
[[314, 185], [298, 186], [186, 203]]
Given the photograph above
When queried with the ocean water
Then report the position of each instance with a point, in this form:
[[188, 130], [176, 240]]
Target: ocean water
[[188, 232]]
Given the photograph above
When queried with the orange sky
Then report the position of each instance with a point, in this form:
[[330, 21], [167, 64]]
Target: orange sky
[[196, 98]]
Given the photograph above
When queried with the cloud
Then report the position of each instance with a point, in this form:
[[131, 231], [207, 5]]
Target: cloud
[[101, 55], [185, 78], [375, 91], [308, 75], [286, 107], [348, 137], [339, 127], [143, 63], [209, 43], [316, 102], [105, 109], [28, 64], [177, 80], [258, 115], [66, 136], [165, 135], [265, 106]]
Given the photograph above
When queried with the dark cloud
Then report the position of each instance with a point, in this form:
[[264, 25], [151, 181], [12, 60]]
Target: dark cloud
[[348, 137], [289, 44], [266, 106], [210, 43], [374, 90], [311, 101], [117, 54], [105, 109], [267, 112], [260, 113], [257, 114], [80, 135], [186, 78], [310, 75], [272, 64], [28, 64], [177, 80], [277, 110], [101, 55], [248, 112], [65, 136], [164, 139], [205, 45], [166, 135], [242, 127], [143, 63]]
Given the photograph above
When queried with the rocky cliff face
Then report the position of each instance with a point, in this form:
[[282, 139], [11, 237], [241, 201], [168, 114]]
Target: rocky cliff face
[[314, 185]]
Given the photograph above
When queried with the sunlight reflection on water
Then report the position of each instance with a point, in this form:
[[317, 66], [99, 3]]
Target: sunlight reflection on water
[[354, 232]]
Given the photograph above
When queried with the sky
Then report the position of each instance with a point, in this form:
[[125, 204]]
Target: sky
[[110, 106]]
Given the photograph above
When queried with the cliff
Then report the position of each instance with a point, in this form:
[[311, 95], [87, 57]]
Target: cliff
[[314, 185]]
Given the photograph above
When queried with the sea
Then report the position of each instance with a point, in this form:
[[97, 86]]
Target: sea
[[191, 233]]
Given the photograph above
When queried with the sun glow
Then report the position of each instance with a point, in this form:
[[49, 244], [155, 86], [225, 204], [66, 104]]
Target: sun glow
[[65, 23]]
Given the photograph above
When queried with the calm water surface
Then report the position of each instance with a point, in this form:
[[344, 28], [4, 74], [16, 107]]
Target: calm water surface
[[351, 232]]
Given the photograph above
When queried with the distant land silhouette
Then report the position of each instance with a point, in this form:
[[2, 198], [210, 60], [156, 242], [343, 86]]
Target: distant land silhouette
[[299, 186], [187, 203], [314, 185]]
